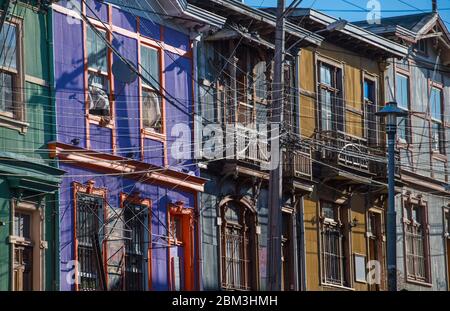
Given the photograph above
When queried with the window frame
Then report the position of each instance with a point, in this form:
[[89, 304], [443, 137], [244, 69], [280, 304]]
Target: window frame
[[89, 190], [105, 121], [367, 112], [337, 100], [288, 275], [134, 199], [342, 213], [147, 133], [404, 141], [16, 120], [410, 202], [186, 214], [440, 122], [36, 242], [252, 251]]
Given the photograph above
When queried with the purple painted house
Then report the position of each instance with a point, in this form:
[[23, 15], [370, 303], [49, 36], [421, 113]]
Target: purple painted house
[[124, 101]]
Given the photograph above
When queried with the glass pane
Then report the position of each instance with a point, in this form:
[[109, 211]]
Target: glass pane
[[402, 91], [150, 66], [151, 110], [8, 46], [369, 91], [328, 210], [22, 225], [6, 92], [326, 110], [260, 81], [325, 74], [402, 126], [435, 103], [98, 94], [232, 213], [97, 50], [435, 135]]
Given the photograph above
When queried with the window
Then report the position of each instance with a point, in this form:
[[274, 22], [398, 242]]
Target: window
[[421, 46], [402, 97], [89, 218], [137, 231], [176, 231], [287, 254], [238, 261], [416, 238], [28, 245], [370, 108], [151, 100], [334, 252], [436, 120], [23, 254], [98, 73], [11, 103], [330, 93]]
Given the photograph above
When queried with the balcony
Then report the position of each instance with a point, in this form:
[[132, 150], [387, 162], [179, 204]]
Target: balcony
[[337, 148], [297, 163]]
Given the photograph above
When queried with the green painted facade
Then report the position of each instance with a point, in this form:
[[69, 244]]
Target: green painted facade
[[26, 172]]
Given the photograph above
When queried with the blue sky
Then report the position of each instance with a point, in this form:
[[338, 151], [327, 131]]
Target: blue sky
[[352, 9]]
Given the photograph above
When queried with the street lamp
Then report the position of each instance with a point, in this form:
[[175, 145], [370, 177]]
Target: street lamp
[[391, 112]]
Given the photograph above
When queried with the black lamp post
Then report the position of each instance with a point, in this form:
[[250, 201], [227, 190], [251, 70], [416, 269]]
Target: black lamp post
[[391, 112]]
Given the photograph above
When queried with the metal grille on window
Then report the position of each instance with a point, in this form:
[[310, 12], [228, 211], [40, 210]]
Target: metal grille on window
[[135, 217], [89, 219], [333, 254], [236, 249]]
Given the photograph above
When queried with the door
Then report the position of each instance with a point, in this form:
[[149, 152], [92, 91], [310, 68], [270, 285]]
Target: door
[[181, 255]]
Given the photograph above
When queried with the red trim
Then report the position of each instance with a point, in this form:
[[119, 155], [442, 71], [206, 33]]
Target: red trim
[[187, 218], [87, 189], [135, 199]]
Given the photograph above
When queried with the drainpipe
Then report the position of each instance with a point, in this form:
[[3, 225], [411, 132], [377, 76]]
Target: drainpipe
[[51, 92]]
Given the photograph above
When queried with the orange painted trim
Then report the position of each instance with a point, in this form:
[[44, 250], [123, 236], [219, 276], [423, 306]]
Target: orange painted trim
[[85, 80], [187, 217], [87, 189], [135, 199], [162, 90]]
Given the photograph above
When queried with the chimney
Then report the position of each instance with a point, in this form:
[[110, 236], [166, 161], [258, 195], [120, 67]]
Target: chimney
[[434, 6]]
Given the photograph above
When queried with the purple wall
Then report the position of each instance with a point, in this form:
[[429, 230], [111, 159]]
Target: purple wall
[[70, 102], [160, 196]]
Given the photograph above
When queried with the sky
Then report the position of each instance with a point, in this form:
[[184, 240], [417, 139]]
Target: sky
[[354, 10]]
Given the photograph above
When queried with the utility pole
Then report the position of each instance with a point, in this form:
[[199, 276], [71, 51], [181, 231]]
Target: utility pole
[[390, 112], [276, 180]]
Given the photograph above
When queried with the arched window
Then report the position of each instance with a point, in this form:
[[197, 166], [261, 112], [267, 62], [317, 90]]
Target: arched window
[[238, 246]]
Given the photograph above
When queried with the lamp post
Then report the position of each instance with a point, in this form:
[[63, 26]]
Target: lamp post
[[391, 112]]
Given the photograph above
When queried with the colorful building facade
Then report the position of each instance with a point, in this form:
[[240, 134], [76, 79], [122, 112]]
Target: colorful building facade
[[129, 200], [29, 180]]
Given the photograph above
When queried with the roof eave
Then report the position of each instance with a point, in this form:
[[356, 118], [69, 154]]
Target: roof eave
[[361, 34]]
